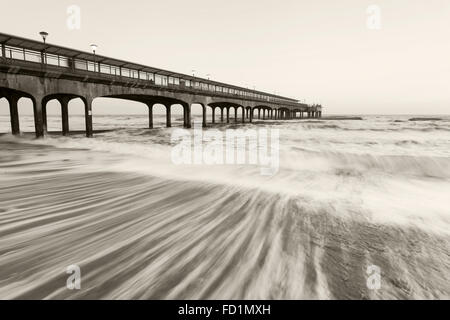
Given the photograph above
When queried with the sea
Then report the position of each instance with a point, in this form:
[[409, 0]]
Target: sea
[[357, 209]]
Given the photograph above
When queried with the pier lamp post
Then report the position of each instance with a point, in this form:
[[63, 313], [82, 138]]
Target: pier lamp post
[[208, 76], [44, 36], [193, 82], [94, 49]]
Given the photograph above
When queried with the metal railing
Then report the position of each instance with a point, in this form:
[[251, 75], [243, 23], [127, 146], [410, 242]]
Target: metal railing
[[43, 58]]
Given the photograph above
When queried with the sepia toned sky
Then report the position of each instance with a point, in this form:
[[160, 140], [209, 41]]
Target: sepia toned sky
[[321, 51]]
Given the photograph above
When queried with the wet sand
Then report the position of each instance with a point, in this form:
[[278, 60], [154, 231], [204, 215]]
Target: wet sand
[[140, 237]]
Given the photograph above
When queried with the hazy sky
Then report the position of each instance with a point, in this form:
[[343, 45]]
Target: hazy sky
[[321, 51]]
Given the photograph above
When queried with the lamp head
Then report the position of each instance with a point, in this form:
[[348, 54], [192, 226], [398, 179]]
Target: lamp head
[[44, 35], [94, 47]]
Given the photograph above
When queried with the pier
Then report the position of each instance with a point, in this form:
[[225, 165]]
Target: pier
[[44, 72]]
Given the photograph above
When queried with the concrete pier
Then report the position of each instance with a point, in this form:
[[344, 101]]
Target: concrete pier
[[41, 82]]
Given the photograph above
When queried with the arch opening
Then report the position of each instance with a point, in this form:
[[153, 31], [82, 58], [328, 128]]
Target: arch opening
[[199, 114], [5, 116], [111, 113]]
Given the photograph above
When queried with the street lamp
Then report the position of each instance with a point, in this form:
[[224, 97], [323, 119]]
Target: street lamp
[[208, 75], [44, 36], [94, 49], [193, 73]]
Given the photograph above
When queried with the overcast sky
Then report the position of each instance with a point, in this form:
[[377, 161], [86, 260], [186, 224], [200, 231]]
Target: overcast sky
[[318, 50]]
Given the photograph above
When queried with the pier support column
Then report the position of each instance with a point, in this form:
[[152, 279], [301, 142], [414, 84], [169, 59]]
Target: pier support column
[[88, 117], [150, 114], [64, 101], [221, 114], [168, 116], [259, 113], [204, 116], [44, 115], [235, 114], [187, 123], [14, 114], [250, 115], [228, 115], [38, 119], [213, 118], [243, 115], [264, 114]]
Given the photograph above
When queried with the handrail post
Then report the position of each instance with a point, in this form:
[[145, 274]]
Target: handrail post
[[3, 51]]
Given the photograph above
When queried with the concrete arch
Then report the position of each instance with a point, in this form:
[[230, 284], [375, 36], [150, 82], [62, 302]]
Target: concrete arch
[[232, 113], [284, 113], [151, 100], [204, 112], [224, 107], [63, 99], [13, 96], [213, 113], [177, 114], [147, 98], [231, 109]]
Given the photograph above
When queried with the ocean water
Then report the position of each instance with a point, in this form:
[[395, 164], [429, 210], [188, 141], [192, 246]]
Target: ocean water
[[349, 195]]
